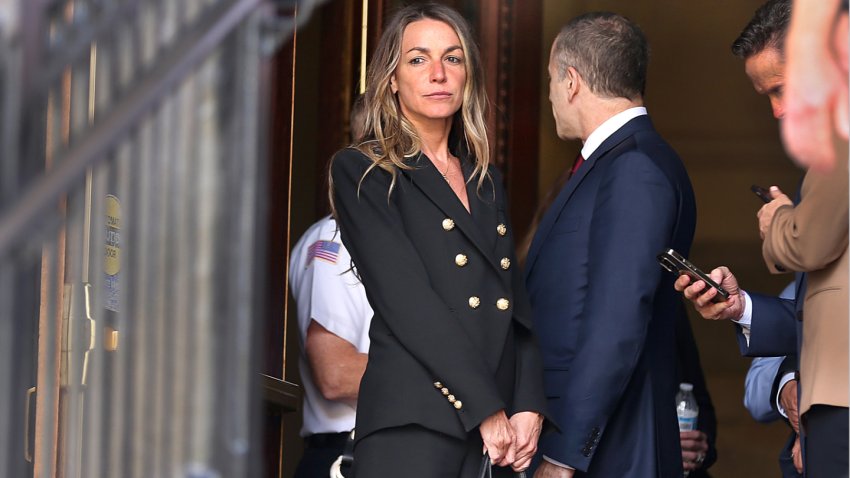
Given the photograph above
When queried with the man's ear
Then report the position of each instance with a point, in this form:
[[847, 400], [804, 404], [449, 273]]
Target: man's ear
[[573, 82]]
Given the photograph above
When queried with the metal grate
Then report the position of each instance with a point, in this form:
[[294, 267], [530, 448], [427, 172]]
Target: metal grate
[[131, 235]]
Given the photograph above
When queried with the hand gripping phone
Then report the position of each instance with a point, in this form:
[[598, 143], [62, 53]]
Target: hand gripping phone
[[673, 262], [762, 193]]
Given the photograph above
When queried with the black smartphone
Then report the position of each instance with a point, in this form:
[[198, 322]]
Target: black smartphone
[[674, 262], [762, 193]]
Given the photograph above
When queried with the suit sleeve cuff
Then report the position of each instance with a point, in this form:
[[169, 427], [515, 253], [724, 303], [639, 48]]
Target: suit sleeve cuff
[[746, 318], [557, 463], [785, 379]]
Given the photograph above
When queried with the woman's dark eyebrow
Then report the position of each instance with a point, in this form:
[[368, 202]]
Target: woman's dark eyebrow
[[428, 50]]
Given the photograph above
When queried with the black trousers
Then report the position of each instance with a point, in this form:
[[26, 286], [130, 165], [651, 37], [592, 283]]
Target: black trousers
[[413, 451], [320, 451], [826, 441]]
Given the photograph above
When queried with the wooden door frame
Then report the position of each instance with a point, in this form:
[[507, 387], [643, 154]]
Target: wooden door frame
[[510, 40]]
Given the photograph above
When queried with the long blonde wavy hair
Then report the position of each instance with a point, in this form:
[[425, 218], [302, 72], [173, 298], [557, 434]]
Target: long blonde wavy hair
[[390, 137]]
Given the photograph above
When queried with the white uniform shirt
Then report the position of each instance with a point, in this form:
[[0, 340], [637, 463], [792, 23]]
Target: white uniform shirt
[[327, 291]]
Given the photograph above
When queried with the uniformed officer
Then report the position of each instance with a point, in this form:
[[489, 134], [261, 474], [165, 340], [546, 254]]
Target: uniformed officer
[[453, 365], [333, 323]]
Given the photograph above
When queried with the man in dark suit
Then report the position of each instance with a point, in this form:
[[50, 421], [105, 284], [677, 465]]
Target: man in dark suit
[[603, 310]]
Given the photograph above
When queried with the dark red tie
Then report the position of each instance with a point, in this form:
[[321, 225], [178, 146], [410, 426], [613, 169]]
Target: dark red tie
[[577, 164]]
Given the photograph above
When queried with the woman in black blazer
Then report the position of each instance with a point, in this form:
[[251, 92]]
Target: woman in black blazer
[[453, 366]]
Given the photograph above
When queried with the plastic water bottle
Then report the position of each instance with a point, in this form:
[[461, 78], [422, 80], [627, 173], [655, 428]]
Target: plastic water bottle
[[686, 409]]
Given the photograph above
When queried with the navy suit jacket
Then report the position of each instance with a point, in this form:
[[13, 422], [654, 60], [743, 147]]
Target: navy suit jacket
[[773, 329], [604, 312]]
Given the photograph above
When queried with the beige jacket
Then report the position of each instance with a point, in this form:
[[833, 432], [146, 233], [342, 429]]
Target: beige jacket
[[812, 238]]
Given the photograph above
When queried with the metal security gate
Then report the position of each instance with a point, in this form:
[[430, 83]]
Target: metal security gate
[[132, 234]]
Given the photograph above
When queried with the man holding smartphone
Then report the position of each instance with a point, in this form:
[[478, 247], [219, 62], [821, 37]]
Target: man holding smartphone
[[804, 239]]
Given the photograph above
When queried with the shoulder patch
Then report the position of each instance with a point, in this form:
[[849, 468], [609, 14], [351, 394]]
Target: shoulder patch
[[327, 251]]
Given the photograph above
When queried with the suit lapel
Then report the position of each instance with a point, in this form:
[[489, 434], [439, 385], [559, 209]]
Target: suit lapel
[[426, 177], [554, 211], [627, 130]]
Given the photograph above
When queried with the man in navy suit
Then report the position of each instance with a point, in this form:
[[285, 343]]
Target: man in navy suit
[[604, 312]]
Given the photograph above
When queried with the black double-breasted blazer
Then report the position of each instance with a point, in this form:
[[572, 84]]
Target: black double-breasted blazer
[[451, 339]]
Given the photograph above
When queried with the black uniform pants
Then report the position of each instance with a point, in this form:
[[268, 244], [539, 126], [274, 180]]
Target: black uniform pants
[[320, 451]]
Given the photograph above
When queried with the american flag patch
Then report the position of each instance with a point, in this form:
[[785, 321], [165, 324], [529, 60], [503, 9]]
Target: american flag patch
[[327, 251]]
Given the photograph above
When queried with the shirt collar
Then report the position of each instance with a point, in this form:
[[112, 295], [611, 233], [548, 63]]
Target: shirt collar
[[609, 127]]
